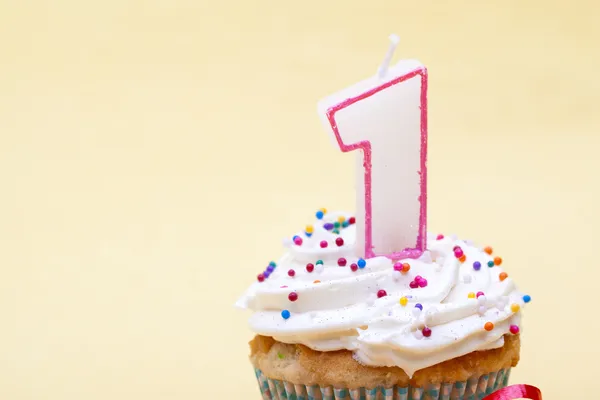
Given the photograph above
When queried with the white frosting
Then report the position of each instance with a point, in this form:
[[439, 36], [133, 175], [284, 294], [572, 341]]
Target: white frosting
[[343, 310]]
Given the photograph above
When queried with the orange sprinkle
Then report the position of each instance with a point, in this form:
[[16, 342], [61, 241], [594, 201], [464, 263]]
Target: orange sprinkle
[[317, 281], [488, 250], [497, 260], [503, 276], [405, 267], [488, 326], [462, 258]]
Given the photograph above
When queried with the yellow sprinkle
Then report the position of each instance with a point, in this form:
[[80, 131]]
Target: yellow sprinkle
[[309, 229], [341, 219], [471, 295], [515, 307], [323, 210], [403, 301]]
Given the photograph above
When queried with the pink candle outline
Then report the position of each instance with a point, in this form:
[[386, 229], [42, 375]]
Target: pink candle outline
[[365, 145]]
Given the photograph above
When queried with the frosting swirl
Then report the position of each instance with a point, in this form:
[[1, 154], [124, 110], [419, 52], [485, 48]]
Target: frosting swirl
[[453, 300]]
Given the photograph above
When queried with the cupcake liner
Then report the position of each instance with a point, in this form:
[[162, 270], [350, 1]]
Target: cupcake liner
[[475, 388]]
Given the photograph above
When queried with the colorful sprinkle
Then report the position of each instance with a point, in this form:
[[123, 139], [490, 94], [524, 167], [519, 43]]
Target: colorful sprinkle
[[471, 295], [480, 294], [497, 260], [462, 258], [352, 220], [272, 264], [361, 263], [515, 307], [283, 287], [405, 267], [345, 224], [419, 306], [291, 272], [440, 237], [426, 331], [514, 329], [381, 293], [266, 274], [297, 240], [398, 267], [422, 283], [342, 262], [281, 356], [319, 214], [341, 220], [319, 262], [476, 265], [339, 241], [503, 276], [490, 263], [317, 281], [328, 226], [458, 253], [310, 267], [336, 231], [309, 229], [488, 250], [527, 298], [403, 301], [488, 326], [293, 296], [285, 314], [270, 268], [354, 267], [260, 277], [413, 285]]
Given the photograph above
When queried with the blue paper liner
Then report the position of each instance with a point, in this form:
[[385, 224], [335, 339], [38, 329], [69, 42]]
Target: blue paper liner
[[476, 388]]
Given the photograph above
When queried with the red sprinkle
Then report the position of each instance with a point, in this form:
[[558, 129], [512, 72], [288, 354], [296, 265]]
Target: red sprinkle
[[381, 293], [351, 220], [342, 262], [413, 284], [354, 267], [293, 296], [291, 272], [310, 267], [260, 277], [339, 241], [426, 331]]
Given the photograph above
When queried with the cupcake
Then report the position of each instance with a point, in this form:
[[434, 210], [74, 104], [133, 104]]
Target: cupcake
[[330, 325]]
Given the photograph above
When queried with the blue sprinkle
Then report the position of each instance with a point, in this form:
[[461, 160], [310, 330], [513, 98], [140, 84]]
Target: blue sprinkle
[[419, 306], [266, 273], [527, 298], [319, 214], [345, 224], [361, 263], [270, 269], [490, 263], [285, 314], [328, 226], [308, 234], [476, 265]]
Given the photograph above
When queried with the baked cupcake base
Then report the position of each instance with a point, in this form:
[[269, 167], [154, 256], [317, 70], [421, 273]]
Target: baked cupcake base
[[288, 371]]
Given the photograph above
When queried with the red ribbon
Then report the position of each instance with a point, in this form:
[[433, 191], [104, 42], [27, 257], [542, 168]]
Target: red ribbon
[[516, 392]]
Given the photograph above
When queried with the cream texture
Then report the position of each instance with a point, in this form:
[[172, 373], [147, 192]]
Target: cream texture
[[343, 310]]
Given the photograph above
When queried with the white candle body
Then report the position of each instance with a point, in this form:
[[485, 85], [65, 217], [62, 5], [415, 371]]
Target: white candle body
[[385, 118]]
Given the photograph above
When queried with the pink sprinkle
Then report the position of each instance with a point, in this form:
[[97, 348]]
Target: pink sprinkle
[[381, 293], [418, 278], [440, 237], [426, 331], [398, 267], [297, 240], [479, 294], [284, 286], [514, 329], [291, 272], [413, 285], [422, 283], [458, 253], [260, 278], [323, 244]]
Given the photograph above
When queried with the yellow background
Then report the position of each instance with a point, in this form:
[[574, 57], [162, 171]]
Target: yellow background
[[154, 153]]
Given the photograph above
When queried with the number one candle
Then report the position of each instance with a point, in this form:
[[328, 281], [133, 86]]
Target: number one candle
[[385, 117]]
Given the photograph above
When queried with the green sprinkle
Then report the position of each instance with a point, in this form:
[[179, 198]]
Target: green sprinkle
[[319, 262], [281, 356], [336, 224], [490, 263], [336, 231], [272, 264]]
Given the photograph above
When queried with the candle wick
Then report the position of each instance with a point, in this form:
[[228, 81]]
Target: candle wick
[[394, 40]]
